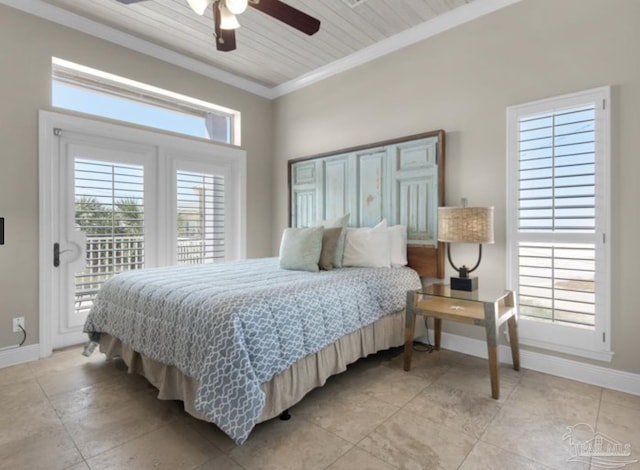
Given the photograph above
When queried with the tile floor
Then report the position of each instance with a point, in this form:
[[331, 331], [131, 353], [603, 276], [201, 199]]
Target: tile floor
[[70, 412]]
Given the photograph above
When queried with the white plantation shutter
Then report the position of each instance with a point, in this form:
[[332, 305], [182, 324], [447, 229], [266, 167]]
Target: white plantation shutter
[[200, 218], [557, 171], [558, 201], [556, 195], [109, 209], [557, 282]]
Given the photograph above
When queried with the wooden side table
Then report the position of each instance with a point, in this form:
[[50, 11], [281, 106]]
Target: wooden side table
[[480, 307]]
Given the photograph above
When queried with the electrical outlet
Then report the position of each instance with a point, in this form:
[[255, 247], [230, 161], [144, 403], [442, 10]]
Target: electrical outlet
[[17, 323]]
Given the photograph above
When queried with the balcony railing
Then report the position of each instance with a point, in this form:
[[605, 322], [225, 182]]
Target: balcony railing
[[107, 256]]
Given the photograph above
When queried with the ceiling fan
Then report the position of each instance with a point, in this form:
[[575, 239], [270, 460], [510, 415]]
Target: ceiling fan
[[225, 21]]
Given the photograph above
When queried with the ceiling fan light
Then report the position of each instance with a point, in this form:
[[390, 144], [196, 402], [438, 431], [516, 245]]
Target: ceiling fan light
[[227, 19], [236, 6], [199, 6]]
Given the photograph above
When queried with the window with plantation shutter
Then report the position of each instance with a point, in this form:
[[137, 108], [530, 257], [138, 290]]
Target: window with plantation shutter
[[558, 221]]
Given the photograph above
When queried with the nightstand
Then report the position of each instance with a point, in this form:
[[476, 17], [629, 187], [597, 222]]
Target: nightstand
[[480, 307]]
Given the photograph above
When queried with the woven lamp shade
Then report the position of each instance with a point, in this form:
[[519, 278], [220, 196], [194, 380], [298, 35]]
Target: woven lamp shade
[[465, 224]]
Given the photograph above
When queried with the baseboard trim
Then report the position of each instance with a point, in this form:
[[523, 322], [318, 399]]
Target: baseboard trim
[[567, 368], [19, 355]]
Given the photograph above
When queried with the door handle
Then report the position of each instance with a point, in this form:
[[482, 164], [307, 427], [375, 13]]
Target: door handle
[[56, 254]]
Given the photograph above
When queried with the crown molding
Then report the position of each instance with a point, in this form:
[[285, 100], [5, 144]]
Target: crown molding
[[430, 28], [418, 33]]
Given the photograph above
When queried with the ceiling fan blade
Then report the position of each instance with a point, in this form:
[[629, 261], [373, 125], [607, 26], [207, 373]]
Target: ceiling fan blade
[[287, 14], [225, 38], [129, 2]]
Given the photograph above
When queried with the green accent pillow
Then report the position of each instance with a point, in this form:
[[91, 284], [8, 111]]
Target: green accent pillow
[[300, 248]]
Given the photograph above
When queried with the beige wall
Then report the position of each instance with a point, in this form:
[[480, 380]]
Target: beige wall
[[28, 43], [462, 81]]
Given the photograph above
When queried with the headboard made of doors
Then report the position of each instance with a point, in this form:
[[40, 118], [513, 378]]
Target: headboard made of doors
[[401, 180]]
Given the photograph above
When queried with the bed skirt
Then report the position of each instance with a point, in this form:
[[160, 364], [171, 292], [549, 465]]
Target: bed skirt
[[286, 388]]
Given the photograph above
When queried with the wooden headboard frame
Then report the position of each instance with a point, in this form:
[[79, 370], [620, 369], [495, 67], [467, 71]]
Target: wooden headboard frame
[[427, 260]]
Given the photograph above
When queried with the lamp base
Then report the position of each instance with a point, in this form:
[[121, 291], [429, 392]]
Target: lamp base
[[464, 283]]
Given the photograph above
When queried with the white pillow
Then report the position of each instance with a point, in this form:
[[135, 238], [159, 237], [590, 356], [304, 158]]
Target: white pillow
[[398, 245], [368, 247]]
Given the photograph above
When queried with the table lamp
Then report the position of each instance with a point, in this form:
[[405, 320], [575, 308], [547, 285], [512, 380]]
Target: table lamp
[[465, 225]]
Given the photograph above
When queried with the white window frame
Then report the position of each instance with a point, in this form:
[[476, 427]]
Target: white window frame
[[593, 343], [98, 81]]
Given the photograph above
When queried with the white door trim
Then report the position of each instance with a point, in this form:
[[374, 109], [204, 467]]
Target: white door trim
[[48, 122]]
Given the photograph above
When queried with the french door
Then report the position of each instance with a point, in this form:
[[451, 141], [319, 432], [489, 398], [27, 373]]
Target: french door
[[104, 212], [115, 198]]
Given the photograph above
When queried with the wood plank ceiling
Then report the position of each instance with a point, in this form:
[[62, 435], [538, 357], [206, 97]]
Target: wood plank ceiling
[[269, 52]]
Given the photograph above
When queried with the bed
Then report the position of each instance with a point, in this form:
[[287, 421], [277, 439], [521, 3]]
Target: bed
[[241, 342]]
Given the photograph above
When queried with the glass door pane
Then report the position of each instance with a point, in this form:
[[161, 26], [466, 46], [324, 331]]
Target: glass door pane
[[109, 209], [200, 218]]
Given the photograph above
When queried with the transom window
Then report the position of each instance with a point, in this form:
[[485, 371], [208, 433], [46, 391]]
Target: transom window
[[86, 90]]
